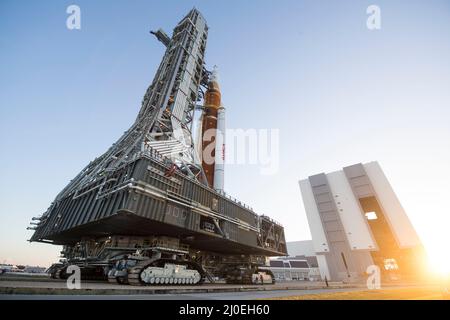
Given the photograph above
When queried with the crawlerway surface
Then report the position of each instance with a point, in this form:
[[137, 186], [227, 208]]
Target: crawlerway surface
[[34, 287], [14, 284]]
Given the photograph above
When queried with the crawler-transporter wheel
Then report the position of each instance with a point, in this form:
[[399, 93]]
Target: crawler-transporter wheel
[[165, 272], [169, 274]]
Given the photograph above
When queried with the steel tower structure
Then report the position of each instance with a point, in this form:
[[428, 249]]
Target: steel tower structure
[[164, 122]]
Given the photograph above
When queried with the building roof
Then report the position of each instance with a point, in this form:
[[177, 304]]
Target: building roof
[[300, 248]]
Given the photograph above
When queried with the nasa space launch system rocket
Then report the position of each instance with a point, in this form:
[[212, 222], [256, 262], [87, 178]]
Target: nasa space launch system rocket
[[213, 134]]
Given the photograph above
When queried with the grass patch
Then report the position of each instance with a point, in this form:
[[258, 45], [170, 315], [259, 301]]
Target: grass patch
[[421, 293]]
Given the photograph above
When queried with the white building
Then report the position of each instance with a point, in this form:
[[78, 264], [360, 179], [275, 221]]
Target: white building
[[356, 221], [301, 248], [293, 269]]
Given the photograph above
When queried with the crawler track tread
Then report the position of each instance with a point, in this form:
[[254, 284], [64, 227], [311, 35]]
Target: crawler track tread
[[135, 272]]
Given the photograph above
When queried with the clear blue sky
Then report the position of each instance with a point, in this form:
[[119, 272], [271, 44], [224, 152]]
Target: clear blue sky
[[339, 93]]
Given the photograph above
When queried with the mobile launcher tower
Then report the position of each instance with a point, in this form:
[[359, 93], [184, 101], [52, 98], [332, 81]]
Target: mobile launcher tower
[[151, 210]]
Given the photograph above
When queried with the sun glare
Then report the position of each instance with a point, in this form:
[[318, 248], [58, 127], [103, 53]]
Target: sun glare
[[439, 263], [438, 256]]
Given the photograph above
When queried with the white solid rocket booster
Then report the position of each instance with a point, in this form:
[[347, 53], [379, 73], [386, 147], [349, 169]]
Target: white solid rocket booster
[[219, 161]]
